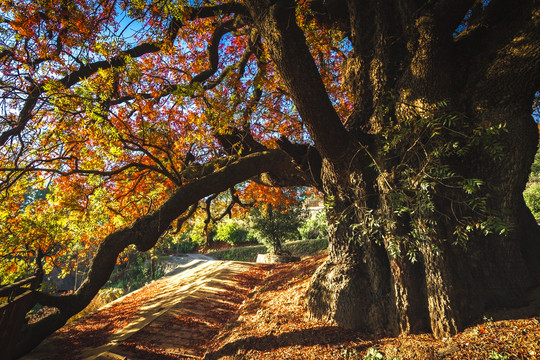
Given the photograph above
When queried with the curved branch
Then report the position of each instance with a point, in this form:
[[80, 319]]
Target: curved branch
[[287, 47], [208, 220], [145, 231], [24, 116], [234, 200], [241, 64], [184, 218], [307, 159], [213, 47]]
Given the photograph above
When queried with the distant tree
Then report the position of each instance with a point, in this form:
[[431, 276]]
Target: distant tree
[[276, 225], [232, 231]]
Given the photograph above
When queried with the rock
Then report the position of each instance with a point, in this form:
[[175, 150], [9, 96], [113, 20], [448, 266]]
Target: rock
[[276, 259]]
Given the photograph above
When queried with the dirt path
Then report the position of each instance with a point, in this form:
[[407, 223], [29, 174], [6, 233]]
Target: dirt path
[[172, 318]]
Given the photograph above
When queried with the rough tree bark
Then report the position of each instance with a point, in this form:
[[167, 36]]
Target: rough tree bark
[[430, 165], [408, 70]]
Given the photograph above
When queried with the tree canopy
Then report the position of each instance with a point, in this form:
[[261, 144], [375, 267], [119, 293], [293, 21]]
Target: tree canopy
[[120, 119], [108, 107]]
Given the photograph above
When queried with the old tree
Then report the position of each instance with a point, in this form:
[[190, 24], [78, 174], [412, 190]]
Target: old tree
[[412, 117]]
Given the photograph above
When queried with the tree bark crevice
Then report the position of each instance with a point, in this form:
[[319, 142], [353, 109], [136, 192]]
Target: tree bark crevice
[[452, 284]]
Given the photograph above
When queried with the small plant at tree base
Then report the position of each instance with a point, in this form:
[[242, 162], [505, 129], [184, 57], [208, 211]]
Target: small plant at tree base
[[496, 356], [374, 354]]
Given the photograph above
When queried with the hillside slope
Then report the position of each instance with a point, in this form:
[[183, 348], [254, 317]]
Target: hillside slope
[[233, 310], [273, 324]]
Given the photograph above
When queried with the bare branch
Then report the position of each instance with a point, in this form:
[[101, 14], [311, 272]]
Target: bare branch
[[301, 76], [213, 47]]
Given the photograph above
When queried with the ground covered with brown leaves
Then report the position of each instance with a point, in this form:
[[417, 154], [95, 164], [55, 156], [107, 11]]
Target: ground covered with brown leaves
[[180, 330], [273, 324], [261, 315]]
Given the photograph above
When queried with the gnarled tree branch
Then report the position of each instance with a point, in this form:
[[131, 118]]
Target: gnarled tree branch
[[145, 231], [299, 72]]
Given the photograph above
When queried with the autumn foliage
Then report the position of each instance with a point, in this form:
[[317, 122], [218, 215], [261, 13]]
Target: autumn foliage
[[106, 103], [122, 121]]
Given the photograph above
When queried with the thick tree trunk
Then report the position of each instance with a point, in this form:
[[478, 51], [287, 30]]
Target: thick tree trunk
[[397, 187], [368, 284]]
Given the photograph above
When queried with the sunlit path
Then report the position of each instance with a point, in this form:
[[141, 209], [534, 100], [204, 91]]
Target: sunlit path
[[175, 317]]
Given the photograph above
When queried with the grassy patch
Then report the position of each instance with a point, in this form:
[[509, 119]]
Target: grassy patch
[[249, 253], [306, 247]]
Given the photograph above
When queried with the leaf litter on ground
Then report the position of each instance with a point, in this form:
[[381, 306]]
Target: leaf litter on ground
[[263, 316]]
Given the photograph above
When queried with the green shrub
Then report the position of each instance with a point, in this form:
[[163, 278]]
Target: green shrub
[[275, 226], [532, 199], [315, 227], [306, 247], [186, 247], [232, 232]]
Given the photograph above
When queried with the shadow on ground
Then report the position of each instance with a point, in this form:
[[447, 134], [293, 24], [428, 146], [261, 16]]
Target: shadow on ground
[[326, 335]]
